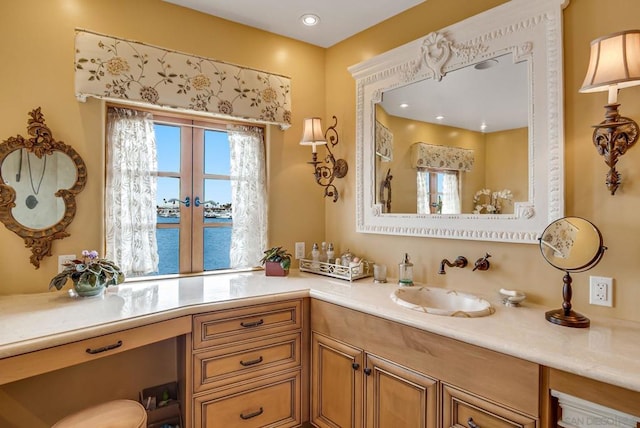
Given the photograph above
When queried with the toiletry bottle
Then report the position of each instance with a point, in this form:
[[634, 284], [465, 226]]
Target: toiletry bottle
[[315, 257], [323, 252], [330, 253], [405, 272]]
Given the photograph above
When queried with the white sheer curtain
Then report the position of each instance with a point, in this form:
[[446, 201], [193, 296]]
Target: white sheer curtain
[[248, 196], [422, 177], [450, 193], [131, 191]]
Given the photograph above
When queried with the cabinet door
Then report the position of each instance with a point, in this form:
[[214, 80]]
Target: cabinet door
[[398, 397], [336, 379], [462, 409]]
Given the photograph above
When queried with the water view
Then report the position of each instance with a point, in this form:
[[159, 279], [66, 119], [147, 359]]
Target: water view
[[217, 243]]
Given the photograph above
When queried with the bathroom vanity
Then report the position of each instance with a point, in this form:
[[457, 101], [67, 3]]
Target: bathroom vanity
[[251, 350]]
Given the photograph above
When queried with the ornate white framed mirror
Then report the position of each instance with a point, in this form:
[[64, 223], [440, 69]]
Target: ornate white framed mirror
[[466, 126]]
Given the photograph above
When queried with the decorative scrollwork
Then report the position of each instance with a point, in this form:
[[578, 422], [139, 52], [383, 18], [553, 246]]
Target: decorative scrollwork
[[612, 138], [40, 144]]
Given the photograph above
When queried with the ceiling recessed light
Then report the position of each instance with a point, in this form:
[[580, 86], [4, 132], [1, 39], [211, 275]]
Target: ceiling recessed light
[[488, 63], [439, 117], [404, 105], [483, 126], [309, 19]]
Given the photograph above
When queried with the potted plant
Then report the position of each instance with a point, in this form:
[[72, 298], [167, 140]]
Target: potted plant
[[276, 261], [90, 275]]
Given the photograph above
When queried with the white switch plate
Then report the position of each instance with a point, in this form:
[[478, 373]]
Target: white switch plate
[[601, 291], [63, 259], [299, 250]]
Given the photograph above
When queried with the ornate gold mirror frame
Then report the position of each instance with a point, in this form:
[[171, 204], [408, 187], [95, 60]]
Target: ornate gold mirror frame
[[41, 144]]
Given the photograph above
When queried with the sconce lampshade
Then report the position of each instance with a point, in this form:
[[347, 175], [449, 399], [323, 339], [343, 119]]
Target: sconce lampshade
[[312, 134], [614, 63]]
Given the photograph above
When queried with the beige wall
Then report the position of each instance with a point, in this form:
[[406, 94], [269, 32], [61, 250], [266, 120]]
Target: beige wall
[[38, 52], [37, 46], [512, 265], [507, 157]]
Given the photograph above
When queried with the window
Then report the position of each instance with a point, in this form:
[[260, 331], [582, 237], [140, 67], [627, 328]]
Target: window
[[438, 191], [210, 184]]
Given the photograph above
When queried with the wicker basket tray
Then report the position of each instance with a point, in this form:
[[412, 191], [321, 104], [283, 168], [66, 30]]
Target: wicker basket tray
[[363, 270]]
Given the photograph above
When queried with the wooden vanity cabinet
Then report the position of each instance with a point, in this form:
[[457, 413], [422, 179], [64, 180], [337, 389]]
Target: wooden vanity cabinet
[[372, 372], [462, 409], [352, 388], [248, 366]]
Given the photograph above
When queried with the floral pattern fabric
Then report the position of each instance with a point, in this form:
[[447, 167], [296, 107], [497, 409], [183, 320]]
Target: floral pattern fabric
[[248, 196], [424, 155], [384, 142], [113, 68], [131, 188]]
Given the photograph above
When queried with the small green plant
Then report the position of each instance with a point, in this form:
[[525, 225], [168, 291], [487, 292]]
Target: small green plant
[[278, 255], [90, 269]]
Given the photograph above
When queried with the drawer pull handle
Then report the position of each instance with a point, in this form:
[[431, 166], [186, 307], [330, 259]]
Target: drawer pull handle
[[104, 348], [252, 324], [472, 424], [252, 415], [252, 362]]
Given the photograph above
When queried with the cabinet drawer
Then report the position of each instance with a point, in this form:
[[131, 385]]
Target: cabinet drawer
[[271, 402], [46, 360], [222, 327], [459, 407], [245, 360]]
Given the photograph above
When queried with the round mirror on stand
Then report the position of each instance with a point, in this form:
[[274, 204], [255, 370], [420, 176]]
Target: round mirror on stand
[[571, 244]]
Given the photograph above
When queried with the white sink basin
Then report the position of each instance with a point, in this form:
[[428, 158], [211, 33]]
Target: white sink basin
[[439, 301]]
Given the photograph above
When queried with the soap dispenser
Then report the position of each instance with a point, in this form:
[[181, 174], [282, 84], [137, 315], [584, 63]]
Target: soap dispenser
[[405, 272]]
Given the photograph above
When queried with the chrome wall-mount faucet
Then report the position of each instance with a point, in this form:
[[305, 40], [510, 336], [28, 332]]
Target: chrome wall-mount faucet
[[459, 262]]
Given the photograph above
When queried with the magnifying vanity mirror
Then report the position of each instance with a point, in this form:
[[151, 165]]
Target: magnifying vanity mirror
[[468, 121], [39, 179], [571, 244]]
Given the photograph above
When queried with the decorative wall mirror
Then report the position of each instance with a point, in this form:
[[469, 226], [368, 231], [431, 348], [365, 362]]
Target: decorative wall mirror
[[39, 180], [476, 148]]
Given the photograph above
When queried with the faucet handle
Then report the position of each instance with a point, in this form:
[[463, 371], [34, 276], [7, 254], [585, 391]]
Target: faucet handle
[[482, 263]]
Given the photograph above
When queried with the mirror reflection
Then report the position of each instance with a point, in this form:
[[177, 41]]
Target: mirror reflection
[[572, 244], [36, 181], [39, 180], [458, 145]]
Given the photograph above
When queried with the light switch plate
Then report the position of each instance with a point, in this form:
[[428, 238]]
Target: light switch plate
[[299, 250]]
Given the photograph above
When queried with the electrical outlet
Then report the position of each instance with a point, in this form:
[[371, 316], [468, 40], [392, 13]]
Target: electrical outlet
[[63, 259], [299, 250], [601, 291]]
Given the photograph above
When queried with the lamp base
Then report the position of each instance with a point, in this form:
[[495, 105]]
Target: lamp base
[[573, 319]]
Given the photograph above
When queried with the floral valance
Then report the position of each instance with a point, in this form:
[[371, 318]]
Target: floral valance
[[384, 142], [424, 155], [112, 68]]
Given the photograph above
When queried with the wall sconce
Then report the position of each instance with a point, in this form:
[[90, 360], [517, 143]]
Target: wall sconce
[[614, 64], [331, 168]]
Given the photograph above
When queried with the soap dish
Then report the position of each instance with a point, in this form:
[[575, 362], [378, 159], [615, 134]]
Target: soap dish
[[512, 298]]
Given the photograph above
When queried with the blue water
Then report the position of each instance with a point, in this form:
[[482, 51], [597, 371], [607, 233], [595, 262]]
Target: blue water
[[217, 243]]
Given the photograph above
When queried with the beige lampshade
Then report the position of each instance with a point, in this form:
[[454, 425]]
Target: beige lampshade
[[312, 134], [614, 63]]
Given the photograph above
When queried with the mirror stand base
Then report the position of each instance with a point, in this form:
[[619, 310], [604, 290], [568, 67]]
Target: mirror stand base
[[572, 319]]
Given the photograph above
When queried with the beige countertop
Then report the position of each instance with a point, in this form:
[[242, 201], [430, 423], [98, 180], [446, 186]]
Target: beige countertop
[[607, 351]]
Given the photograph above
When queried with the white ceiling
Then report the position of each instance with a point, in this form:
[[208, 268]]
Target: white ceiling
[[467, 98], [339, 19]]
